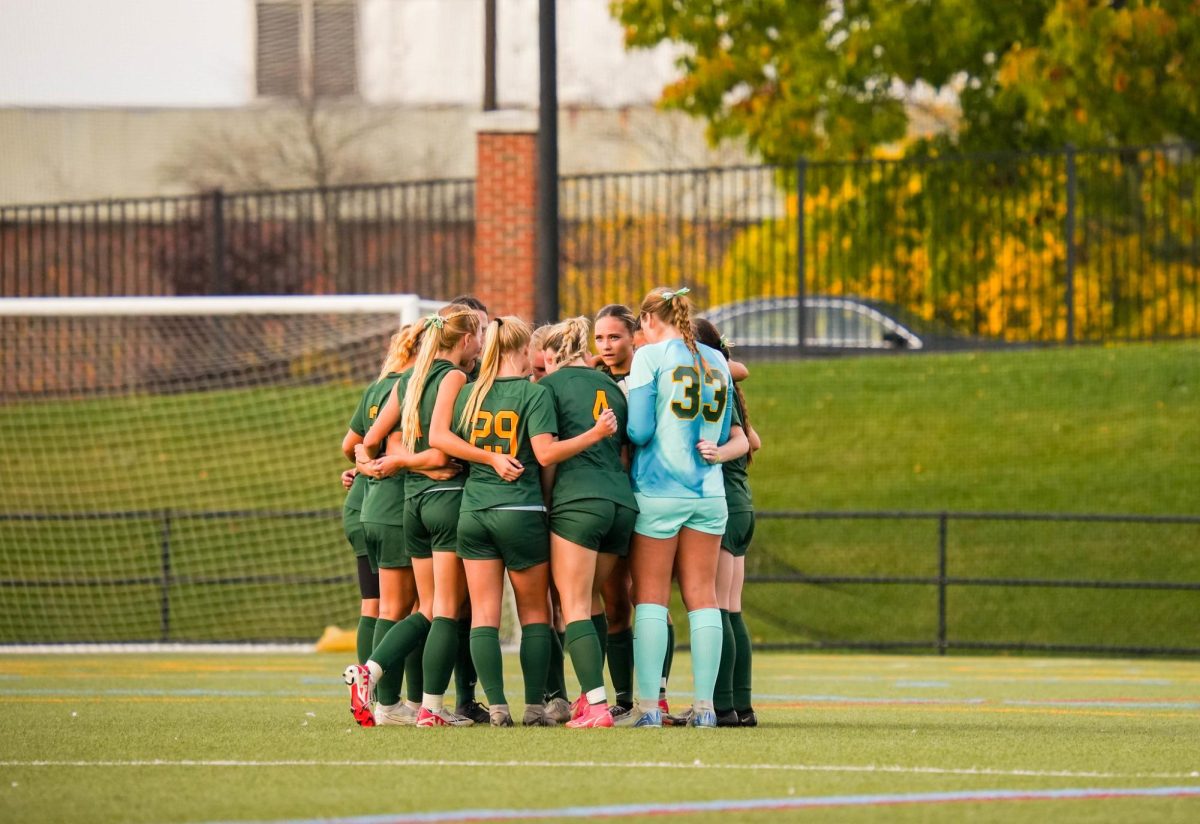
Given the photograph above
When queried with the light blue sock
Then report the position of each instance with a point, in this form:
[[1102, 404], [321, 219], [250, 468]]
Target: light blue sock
[[650, 650], [707, 633]]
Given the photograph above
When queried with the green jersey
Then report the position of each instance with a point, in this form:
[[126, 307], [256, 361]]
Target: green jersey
[[513, 412], [364, 415], [580, 395], [737, 484], [415, 483], [384, 501]]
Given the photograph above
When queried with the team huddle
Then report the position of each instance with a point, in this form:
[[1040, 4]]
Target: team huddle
[[594, 481]]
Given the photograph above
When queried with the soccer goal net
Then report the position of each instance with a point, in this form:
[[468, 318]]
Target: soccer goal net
[[170, 466]]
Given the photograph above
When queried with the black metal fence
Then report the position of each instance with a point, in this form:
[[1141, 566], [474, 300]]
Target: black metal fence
[[1046, 247], [923, 593], [377, 238]]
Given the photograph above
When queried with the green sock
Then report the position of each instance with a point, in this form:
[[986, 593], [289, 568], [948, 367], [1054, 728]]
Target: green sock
[[465, 676], [366, 637], [620, 665], [489, 662], [414, 679], [556, 683], [706, 638], [666, 670], [742, 663], [400, 640], [584, 649], [723, 695], [600, 622], [649, 649], [387, 691], [441, 651], [536, 641]]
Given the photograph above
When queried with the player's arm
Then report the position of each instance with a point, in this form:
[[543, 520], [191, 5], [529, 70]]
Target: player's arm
[[351, 440], [738, 371], [443, 437], [549, 450], [735, 446], [384, 423], [752, 436], [643, 396]]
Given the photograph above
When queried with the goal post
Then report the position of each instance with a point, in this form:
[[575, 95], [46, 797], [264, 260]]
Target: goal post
[[170, 467]]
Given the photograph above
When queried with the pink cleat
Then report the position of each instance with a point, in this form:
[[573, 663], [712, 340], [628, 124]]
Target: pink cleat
[[593, 715], [358, 678], [579, 707]]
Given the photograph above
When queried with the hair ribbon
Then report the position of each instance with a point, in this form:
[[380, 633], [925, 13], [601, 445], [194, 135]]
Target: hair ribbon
[[669, 296]]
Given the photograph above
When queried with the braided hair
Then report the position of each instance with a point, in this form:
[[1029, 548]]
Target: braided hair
[[671, 306]]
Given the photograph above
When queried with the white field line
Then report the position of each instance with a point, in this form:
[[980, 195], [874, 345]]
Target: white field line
[[591, 765]]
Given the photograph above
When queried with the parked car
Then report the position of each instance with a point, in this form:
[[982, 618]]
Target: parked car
[[829, 323]]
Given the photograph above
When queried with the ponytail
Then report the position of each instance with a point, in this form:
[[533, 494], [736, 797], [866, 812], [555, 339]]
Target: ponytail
[[439, 333], [568, 340], [504, 335], [671, 306]]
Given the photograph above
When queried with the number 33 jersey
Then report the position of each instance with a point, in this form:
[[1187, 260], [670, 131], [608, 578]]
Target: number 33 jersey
[[513, 411], [674, 402]]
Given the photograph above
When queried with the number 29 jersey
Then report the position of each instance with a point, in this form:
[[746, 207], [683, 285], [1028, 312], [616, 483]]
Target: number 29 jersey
[[673, 404]]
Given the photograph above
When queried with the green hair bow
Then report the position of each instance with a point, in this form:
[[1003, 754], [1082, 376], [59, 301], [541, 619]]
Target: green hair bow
[[669, 295]]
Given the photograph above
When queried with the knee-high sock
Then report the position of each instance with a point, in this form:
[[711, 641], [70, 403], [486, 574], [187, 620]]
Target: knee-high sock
[[535, 660], [387, 691], [723, 695], [706, 653], [465, 676], [649, 650], [414, 679], [556, 682], [584, 649], [489, 662], [365, 640], [742, 675], [441, 651], [600, 622], [666, 670], [620, 665]]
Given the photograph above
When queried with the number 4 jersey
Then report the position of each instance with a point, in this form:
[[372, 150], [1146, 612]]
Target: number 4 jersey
[[673, 404], [513, 411]]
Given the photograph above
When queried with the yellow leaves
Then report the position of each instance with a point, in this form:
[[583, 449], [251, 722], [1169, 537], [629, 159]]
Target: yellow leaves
[[914, 185]]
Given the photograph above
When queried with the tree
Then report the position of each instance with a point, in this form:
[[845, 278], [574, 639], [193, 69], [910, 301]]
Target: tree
[[838, 78]]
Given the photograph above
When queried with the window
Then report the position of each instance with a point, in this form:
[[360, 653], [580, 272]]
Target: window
[[307, 48]]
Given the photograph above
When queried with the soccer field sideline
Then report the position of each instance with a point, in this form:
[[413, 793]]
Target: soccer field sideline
[[236, 738]]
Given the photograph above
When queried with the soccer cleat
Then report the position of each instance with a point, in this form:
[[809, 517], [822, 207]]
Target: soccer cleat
[[498, 717], [662, 705], [593, 715], [682, 720], [622, 716], [580, 706], [649, 718], [401, 715], [558, 710], [703, 718], [747, 718], [441, 718], [728, 718], [537, 716], [477, 712], [358, 678]]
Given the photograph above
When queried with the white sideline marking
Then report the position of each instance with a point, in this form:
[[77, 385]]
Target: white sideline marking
[[141, 649], [591, 765]]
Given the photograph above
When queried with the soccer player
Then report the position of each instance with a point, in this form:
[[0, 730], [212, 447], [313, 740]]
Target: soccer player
[[732, 699], [450, 340], [592, 510], [680, 419], [503, 424]]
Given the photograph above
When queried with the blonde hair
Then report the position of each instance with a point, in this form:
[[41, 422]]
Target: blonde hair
[[568, 340], [504, 335], [674, 309], [440, 333], [402, 348], [537, 338]]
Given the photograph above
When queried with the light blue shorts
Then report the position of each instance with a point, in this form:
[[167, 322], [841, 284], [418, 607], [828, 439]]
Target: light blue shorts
[[664, 517]]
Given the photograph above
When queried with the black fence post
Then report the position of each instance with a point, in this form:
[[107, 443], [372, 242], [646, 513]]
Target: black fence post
[[941, 637], [801, 266], [220, 280], [1069, 231], [165, 554]]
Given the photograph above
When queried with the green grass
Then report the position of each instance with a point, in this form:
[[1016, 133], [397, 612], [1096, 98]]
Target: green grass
[[831, 726], [1089, 429]]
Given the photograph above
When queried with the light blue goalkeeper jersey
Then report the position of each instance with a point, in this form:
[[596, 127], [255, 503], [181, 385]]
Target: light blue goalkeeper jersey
[[673, 404]]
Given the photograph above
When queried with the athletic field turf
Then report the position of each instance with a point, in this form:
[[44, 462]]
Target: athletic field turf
[[843, 738]]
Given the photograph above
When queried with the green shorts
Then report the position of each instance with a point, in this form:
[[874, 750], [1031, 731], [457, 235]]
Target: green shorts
[[594, 523], [518, 537], [431, 522], [664, 517], [739, 532], [387, 542], [357, 536]]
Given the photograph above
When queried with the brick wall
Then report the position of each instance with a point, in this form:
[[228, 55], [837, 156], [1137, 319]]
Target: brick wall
[[506, 212]]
